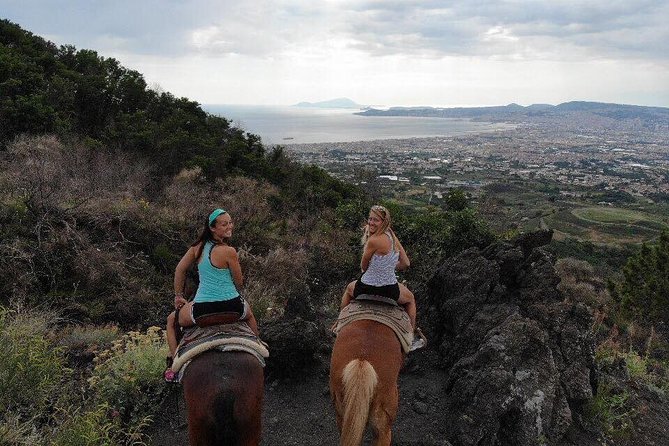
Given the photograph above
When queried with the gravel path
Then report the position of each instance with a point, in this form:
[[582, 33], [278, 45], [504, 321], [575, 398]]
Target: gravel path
[[300, 412]]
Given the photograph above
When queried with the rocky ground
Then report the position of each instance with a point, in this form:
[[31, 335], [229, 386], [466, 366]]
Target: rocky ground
[[299, 412]]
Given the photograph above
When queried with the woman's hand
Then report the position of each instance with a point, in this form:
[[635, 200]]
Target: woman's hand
[[179, 301]]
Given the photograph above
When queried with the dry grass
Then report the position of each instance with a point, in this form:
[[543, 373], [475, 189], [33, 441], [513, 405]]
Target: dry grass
[[580, 284]]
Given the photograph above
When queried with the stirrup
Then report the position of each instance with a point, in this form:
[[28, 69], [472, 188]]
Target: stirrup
[[419, 340]]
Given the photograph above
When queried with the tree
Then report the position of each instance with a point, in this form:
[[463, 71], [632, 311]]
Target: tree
[[644, 291], [456, 200]]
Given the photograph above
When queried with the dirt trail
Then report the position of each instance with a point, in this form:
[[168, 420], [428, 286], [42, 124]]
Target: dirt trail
[[299, 412]]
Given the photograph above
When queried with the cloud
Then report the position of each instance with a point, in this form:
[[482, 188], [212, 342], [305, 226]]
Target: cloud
[[390, 51], [552, 30]]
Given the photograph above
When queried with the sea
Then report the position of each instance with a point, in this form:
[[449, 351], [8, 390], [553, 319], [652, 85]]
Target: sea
[[285, 125]]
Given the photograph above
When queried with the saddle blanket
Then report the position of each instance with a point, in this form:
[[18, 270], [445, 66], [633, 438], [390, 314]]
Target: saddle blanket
[[392, 316], [237, 336]]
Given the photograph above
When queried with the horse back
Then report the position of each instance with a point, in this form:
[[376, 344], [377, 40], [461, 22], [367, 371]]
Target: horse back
[[370, 341], [359, 345], [223, 393]]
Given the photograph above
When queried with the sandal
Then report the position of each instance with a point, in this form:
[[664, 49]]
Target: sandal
[[169, 375], [419, 340]]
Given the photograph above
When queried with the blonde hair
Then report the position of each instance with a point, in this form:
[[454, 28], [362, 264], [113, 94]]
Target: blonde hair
[[384, 215]]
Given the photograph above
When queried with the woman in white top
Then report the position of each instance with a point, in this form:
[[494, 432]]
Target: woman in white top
[[382, 255]]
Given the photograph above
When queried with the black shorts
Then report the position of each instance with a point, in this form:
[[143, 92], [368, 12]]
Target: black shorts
[[234, 305], [389, 291]]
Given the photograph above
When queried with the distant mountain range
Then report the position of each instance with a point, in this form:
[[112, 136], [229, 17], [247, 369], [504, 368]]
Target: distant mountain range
[[575, 115], [332, 103], [572, 114], [615, 111]]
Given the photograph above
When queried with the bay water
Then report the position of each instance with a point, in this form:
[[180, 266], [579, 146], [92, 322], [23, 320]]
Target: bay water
[[300, 125]]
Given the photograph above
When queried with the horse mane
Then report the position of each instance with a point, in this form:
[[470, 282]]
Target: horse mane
[[359, 379]]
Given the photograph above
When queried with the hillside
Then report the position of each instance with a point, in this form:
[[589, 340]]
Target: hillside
[[592, 112]]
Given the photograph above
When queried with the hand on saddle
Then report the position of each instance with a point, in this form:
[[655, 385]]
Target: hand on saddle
[[179, 301]]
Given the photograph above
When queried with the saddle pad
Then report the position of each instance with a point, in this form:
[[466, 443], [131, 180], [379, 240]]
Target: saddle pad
[[392, 316], [224, 348], [227, 337], [196, 333]]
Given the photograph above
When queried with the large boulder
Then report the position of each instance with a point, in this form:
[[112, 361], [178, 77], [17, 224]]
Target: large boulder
[[298, 341], [520, 356]]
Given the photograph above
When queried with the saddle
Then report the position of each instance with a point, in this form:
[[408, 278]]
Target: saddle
[[236, 336], [392, 316]]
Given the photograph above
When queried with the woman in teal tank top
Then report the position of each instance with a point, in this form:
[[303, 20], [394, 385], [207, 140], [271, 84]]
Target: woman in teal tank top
[[220, 280]]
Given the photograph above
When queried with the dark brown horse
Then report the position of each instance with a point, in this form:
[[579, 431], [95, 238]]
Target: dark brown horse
[[224, 393], [366, 361]]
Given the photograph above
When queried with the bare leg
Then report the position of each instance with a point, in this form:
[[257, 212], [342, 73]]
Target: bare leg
[[171, 334], [251, 320], [348, 295], [408, 301], [184, 321]]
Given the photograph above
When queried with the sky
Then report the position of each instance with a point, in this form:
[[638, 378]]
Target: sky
[[384, 53]]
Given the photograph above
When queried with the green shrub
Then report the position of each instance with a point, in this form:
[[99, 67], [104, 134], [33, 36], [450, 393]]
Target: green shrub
[[31, 368], [609, 410], [100, 426], [128, 376], [637, 366]]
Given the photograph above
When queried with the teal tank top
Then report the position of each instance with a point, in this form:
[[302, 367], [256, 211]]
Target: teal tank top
[[215, 283]]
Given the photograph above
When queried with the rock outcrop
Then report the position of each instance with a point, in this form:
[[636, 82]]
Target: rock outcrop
[[520, 357], [298, 340]]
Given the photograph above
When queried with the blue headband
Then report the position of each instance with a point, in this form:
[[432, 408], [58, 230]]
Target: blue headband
[[214, 215]]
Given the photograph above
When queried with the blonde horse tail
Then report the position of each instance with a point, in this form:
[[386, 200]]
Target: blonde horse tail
[[359, 379]]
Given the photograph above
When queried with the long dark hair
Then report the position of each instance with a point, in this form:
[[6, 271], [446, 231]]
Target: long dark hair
[[206, 236]]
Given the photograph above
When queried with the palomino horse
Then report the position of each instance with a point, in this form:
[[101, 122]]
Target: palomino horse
[[223, 393], [366, 361]]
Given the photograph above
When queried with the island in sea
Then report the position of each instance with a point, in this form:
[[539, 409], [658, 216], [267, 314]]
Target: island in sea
[[331, 103]]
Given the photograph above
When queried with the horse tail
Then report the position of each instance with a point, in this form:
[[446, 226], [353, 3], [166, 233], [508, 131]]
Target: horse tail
[[225, 424], [359, 379]]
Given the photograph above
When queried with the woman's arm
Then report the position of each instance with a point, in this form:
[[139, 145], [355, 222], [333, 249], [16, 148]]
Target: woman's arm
[[403, 262], [180, 276], [235, 268], [371, 247]]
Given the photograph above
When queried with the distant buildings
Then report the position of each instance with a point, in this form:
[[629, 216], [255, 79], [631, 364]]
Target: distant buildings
[[604, 160]]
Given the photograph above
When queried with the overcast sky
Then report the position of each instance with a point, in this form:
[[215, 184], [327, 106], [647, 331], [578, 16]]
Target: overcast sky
[[439, 53]]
